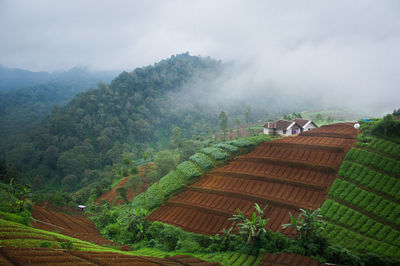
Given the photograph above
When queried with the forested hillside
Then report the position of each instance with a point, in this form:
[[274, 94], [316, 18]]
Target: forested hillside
[[94, 129], [23, 107]]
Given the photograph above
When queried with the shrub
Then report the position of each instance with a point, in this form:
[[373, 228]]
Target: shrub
[[171, 182], [45, 244], [243, 143], [203, 161], [189, 170], [228, 147], [217, 153], [154, 196], [66, 245]]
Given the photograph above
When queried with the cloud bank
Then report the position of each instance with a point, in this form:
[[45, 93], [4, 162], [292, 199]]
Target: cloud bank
[[341, 53]]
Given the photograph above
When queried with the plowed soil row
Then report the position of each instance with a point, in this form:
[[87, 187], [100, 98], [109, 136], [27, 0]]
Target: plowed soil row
[[289, 259], [45, 256], [284, 177], [278, 172], [74, 226], [311, 156], [316, 140], [264, 190]]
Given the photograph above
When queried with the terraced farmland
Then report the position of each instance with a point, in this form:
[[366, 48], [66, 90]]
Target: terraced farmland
[[20, 245], [289, 259], [285, 174], [70, 225], [363, 209]]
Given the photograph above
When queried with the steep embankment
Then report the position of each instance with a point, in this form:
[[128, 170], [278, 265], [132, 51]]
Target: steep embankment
[[22, 245], [70, 225], [363, 206], [285, 174]]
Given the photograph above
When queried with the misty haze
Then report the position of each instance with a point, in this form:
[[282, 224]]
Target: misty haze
[[212, 132]]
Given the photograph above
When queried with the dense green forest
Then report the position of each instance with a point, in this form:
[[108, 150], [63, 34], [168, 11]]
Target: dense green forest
[[22, 108]]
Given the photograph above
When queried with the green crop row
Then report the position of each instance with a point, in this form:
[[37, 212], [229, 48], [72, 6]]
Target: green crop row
[[228, 147], [189, 170], [351, 240], [370, 179], [366, 201], [385, 146], [374, 160], [217, 153], [203, 161], [355, 221]]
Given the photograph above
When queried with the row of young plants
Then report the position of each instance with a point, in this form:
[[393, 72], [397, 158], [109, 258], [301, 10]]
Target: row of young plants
[[365, 201], [357, 222], [371, 159], [371, 179], [385, 146], [348, 239]]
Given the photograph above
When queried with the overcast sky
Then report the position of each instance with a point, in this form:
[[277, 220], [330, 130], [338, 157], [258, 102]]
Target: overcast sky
[[339, 45]]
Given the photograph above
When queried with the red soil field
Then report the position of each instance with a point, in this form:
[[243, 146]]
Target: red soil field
[[284, 174], [71, 225], [289, 259], [46, 256], [111, 196]]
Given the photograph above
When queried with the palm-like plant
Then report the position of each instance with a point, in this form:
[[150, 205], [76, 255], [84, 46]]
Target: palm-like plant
[[307, 224], [250, 229]]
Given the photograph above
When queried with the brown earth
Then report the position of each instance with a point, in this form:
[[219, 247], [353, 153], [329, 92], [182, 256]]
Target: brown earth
[[284, 174], [288, 259], [112, 196], [46, 256], [77, 226]]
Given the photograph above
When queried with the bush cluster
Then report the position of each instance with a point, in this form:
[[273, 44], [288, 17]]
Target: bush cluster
[[217, 153], [203, 161], [189, 170]]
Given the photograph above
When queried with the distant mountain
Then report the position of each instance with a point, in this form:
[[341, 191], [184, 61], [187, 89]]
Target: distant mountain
[[12, 78], [23, 107]]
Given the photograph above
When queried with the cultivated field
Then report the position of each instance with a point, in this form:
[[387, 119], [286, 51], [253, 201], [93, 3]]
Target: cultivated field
[[71, 225], [285, 174], [288, 259]]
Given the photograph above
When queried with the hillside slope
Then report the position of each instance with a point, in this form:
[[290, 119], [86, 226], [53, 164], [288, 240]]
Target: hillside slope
[[363, 206], [285, 174]]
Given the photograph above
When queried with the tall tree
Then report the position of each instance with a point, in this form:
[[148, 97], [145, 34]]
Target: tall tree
[[223, 121]]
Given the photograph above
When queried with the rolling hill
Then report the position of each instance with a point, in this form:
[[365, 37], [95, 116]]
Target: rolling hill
[[285, 174]]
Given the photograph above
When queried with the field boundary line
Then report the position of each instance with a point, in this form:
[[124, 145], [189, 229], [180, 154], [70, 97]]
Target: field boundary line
[[36, 220]]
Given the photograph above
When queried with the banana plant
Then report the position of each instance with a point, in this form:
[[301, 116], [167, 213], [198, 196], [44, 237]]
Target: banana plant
[[250, 229]]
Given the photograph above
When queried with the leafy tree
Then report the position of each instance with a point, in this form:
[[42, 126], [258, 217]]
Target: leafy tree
[[223, 121], [165, 161], [250, 229], [318, 117], [122, 191], [247, 114], [308, 224], [138, 225], [388, 126], [175, 138]]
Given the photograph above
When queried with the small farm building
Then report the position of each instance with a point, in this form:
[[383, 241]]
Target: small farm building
[[288, 128]]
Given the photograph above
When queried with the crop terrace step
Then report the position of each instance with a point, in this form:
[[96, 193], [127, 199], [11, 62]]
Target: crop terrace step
[[307, 146], [252, 197], [272, 179], [286, 162]]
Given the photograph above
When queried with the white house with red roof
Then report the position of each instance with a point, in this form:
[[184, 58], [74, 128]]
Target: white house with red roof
[[288, 128]]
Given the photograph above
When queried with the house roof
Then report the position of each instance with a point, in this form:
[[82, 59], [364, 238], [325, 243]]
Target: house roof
[[303, 122], [281, 124], [286, 124]]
